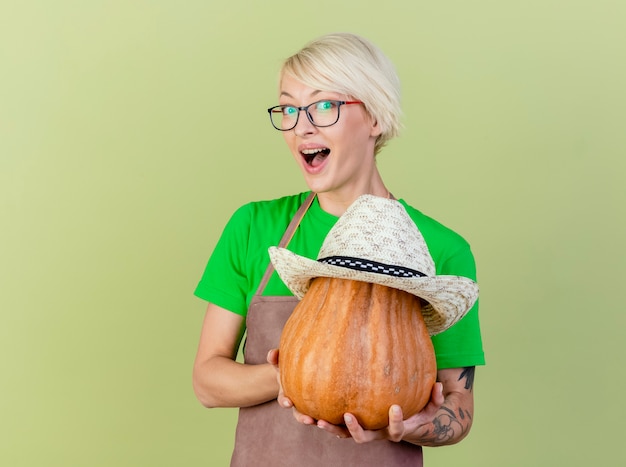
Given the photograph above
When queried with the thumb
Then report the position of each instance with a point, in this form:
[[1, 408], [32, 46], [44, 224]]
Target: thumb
[[436, 395]]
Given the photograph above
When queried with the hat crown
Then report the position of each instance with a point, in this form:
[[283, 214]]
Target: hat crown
[[379, 229]]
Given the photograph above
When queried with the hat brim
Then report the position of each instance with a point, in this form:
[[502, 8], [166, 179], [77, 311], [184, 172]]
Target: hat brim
[[448, 298]]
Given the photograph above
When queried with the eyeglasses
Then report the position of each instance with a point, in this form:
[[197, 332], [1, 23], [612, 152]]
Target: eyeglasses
[[320, 114]]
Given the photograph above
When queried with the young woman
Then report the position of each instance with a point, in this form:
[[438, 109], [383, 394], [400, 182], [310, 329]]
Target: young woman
[[338, 105]]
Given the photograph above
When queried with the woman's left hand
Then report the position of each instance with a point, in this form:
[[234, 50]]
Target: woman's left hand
[[446, 419]]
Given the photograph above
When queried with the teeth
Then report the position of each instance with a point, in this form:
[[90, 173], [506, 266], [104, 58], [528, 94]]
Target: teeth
[[310, 152]]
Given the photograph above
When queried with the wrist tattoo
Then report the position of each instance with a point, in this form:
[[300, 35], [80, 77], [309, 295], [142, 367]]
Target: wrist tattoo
[[448, 425]]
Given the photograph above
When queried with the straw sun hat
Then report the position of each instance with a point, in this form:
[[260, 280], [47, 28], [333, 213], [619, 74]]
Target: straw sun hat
[[376, 241]]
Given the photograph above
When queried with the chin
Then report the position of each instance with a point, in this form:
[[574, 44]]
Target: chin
[[316, 185]]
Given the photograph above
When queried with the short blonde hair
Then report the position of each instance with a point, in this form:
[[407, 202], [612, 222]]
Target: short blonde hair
[[352, 65]]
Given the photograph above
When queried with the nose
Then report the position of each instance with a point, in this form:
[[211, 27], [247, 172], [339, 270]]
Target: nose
[[304, 126]]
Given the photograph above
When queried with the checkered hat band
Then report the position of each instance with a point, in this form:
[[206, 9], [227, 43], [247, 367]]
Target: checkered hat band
[[371, 266]]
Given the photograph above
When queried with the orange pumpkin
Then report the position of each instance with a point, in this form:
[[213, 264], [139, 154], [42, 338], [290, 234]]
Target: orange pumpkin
[[352, 346]]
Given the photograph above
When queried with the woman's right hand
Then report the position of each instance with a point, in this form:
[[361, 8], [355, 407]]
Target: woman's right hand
[[284, 401]]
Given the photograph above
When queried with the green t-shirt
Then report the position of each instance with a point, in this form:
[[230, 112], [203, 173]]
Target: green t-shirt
[[240, 258]]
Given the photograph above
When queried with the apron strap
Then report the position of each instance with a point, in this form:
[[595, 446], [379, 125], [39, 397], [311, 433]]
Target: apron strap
[[287, 236]]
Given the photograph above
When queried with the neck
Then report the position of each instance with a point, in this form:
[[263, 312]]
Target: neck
[[337, 201]]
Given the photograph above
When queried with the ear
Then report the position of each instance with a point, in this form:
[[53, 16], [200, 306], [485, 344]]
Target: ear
[[376, 129]]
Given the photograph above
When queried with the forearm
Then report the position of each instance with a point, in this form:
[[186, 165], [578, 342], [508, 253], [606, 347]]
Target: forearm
[[222, 382], [451, 423]]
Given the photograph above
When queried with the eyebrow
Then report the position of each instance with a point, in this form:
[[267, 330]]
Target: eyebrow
[[286, 94]]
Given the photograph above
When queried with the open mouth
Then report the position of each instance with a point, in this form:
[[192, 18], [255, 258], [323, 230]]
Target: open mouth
[[314, 157]]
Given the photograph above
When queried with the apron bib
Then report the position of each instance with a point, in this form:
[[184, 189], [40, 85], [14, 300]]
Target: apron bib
[[268, 435]]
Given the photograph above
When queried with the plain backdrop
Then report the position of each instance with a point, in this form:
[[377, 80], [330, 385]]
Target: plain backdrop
[[131, 130]]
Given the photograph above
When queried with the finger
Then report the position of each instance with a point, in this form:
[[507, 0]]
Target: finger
[[357, 432], [272, 357], [396, 423], [302, 418], [336, 430], [284, 401]]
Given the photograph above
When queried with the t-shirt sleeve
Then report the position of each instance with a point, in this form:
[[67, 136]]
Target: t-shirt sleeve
[[461, 345], [224, 281]]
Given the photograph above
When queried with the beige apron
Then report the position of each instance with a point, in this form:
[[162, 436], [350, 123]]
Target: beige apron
[[268, 435]]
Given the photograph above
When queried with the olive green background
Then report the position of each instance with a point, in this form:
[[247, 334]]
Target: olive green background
[[130, 131]]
